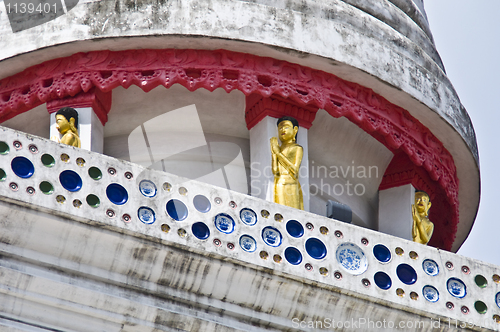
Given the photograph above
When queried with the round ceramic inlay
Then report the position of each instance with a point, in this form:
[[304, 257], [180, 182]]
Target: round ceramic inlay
[[146, 215], [22, 167], [200, 230], [382, 253], [294, 228], [430, 267], [201, 203], [456, 287], [406, 274], [117, 194], [147, 188], [293, 256], [271, 236], [430, 293], [315, 248], [248, 217], [70, 180], [248, 243], [177, 210], [224, 223], [382, 280], [351, 258]]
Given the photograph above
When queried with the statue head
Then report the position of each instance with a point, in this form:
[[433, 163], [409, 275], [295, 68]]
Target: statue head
[[288, 127], [422, 202], [67, 119]]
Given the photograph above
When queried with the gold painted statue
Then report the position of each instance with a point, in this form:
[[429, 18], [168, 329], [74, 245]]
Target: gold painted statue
[[286, 164], [422, 227], [67, 124]]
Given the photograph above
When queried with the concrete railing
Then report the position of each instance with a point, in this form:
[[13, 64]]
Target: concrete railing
[[99, 190]]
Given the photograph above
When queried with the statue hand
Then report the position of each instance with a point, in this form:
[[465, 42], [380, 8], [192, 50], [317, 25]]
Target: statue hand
[[415, 214], [275, 149]]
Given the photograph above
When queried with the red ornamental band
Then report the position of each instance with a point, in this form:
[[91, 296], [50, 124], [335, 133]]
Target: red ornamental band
[[262, 80]]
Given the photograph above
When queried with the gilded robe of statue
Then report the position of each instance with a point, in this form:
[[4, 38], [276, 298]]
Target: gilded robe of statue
[[286, 160], [422, 227]]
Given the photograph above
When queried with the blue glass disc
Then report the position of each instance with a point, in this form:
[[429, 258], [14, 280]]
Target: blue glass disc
[[117, 194], [146, 215], [224, 223], [177, 210], [200, 230], [294, 228], [406, 274], [201, 203], [293, 256], [248, 243], [315, 248], [382, 253], [70, 180], [248, 216], [271, 236], [382, 280], [22, 167]]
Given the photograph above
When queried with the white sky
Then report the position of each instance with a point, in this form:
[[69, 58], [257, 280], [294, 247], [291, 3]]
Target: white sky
[[466, 34]]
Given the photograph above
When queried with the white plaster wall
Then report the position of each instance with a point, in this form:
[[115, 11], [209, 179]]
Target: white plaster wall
[[211, 144], [36, 122], [395, 216], [347, 167]]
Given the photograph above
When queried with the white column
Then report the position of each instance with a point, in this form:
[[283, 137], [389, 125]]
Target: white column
[[394, 214], [90, 129], [261, 175]]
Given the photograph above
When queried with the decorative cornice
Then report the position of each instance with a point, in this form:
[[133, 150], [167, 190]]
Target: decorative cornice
[[258, 107], [99, 101], [194, 69]]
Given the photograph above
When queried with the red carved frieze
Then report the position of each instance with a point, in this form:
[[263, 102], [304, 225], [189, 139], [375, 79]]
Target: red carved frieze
[[99, 101], [258, 107], [305, 87]]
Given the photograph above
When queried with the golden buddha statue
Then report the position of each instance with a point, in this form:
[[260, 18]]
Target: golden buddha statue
[[67, 124], [422, 227], [286, 160]]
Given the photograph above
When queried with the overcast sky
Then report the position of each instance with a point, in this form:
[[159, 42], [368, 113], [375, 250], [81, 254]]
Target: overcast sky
[[466, 34]]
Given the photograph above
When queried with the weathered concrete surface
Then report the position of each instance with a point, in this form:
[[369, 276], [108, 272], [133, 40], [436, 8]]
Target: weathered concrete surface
[[382, 46], [59, 274]]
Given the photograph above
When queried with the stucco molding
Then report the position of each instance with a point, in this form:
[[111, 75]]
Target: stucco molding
[[99, 101]]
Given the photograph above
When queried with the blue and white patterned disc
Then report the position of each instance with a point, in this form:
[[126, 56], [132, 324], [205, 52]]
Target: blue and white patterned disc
[[497, 299], [456, 287], [247, 243], [146, 215], [248, 217], [224, 223], [147, 188], [271, 236], [351, 258], [430, 267], [430, 293]]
